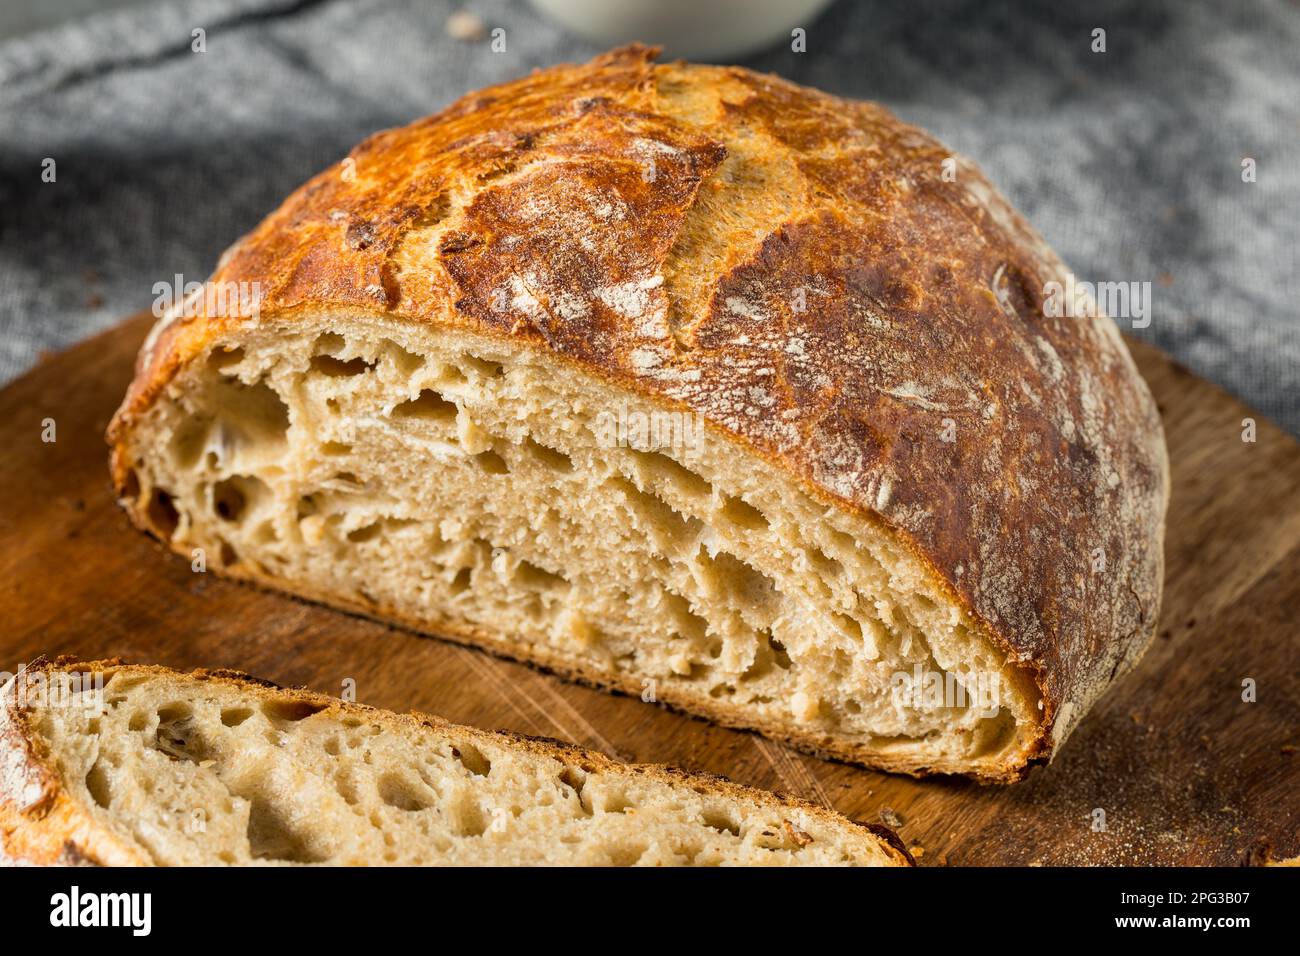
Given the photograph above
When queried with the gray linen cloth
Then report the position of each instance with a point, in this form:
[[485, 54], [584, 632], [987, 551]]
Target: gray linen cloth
[[1128, 161]]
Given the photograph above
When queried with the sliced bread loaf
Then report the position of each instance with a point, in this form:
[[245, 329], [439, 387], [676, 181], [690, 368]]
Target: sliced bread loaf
[[116, 764], [685, 376]]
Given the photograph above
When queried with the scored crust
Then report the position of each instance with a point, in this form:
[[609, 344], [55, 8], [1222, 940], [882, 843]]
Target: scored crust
[[835, 307], [41, 824]]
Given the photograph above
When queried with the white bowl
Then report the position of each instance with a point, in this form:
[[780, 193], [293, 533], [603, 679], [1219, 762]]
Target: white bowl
[[691, 29]]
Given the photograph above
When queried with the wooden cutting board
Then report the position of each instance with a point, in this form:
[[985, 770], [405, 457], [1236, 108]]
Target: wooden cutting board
[[1185, 770]]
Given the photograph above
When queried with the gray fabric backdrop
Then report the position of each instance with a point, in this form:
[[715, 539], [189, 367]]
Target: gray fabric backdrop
[[1128, 161]]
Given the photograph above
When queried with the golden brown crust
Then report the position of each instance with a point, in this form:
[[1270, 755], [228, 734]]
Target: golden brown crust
[[804, 275], [40, 825]]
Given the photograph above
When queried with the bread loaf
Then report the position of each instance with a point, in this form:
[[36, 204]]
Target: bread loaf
[[114, 764], [686, 382]]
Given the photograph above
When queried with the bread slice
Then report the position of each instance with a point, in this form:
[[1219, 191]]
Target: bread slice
[[686, 382], [116, 764]]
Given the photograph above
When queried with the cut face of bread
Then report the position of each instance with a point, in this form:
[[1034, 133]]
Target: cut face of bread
[[687, 382], [140, 765], [444, 482]]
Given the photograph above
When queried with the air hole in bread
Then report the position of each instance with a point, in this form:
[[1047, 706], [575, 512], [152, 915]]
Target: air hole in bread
[[429, 406], [741, 513], [824, 563], [190, 441], [234, 716], [779, 655], [460, 583], [449, 376], [669, 530], [625, 854], [468, 817], [491, 462], [686, 851], [925, 604], [273, 834], [848, 625], [717, 819], [549, 457], [254, 415], [686, 622], [162, 513], [99, 783], [768, 654], [346, 785], [231, 496], [613, 801], [402, 794], [178, 735], [993, 733], [223, 358], [726, 575], [335, 449], [657, 468], [367, 533], [472, 759], [536, 578], [332, 367], [573, 778], [175, 711], [290, 711], [131, 486]]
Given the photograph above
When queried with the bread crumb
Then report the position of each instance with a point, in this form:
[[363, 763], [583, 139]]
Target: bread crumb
[[463, 25]]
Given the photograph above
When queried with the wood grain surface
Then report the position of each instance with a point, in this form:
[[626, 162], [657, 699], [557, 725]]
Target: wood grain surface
[[1185, 770]]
